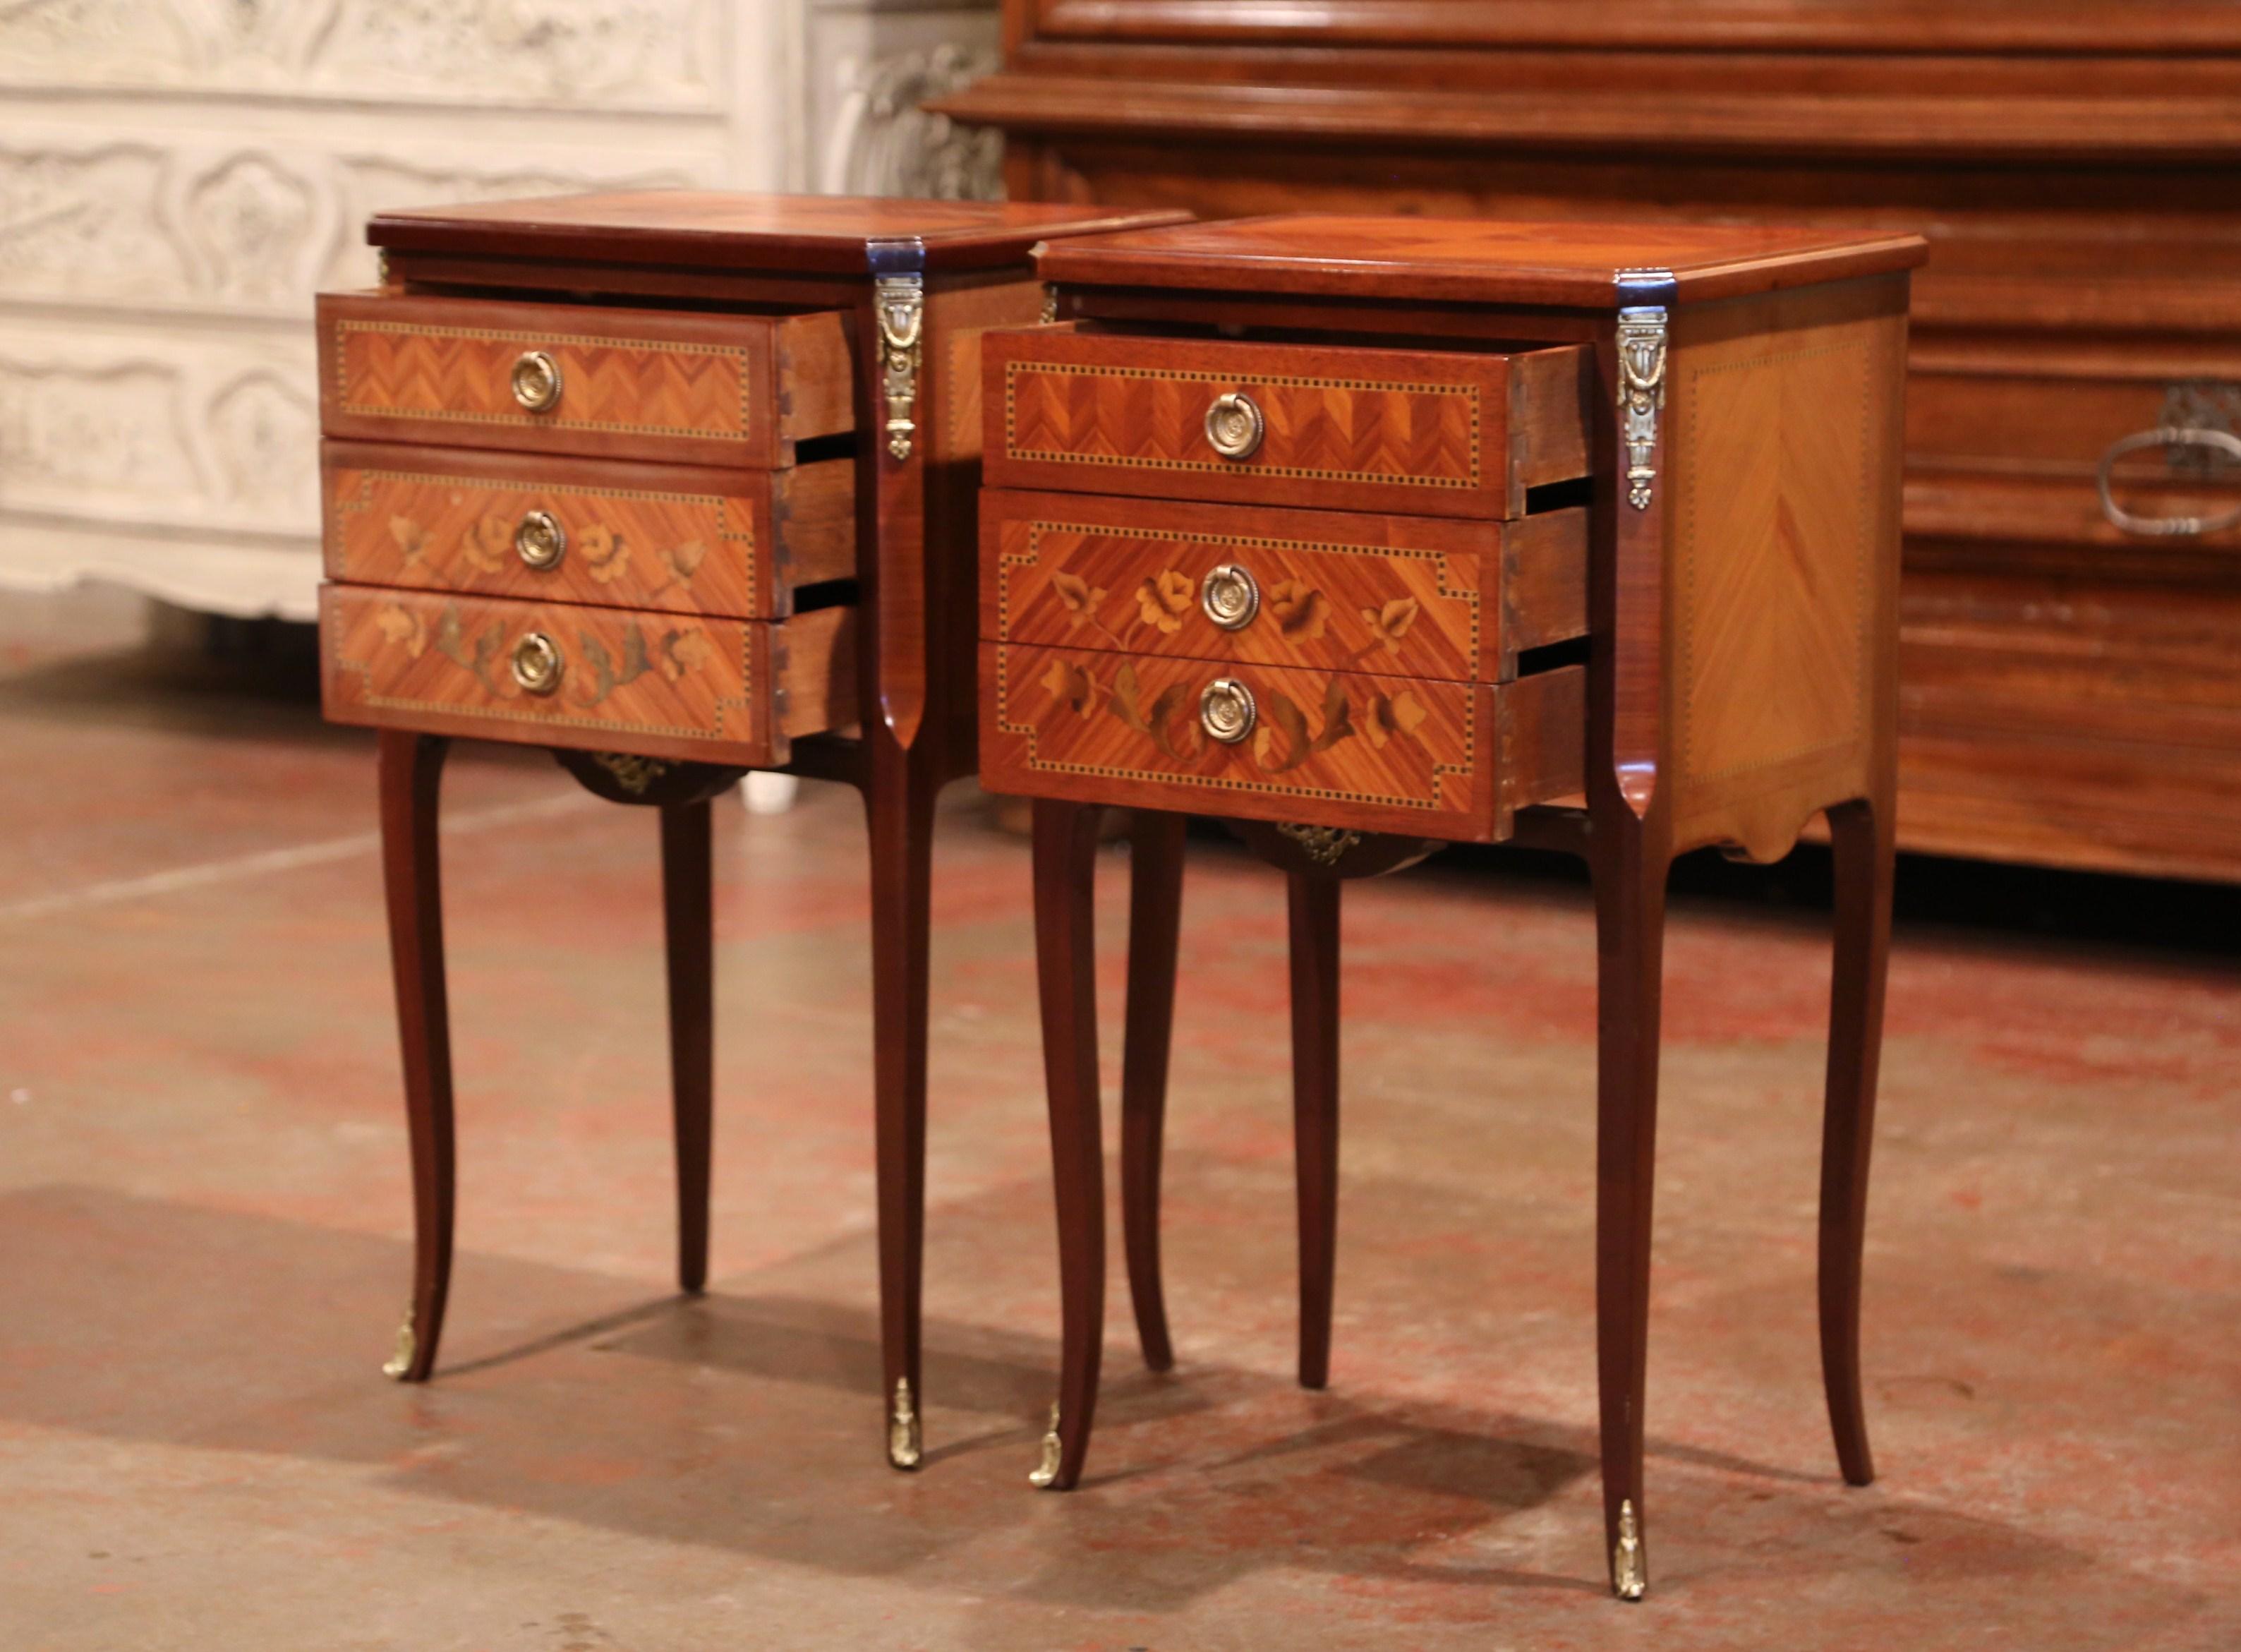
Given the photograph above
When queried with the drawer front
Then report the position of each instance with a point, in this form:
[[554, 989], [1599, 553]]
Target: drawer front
[[678, 386], [1389, 596], [1442, 759], [734, 543], [1428, 433], [715, 691]]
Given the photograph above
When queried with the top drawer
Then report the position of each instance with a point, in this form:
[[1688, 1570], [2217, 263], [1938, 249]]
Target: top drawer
[[564, 378], [1429, 432]]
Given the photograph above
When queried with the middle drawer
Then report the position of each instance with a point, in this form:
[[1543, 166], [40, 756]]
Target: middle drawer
[[674, 539], [1422, 597]]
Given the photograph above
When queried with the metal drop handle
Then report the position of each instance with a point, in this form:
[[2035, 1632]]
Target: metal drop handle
[[536, 381], [1225, 710], [540, 540], [1231, 596], [1234, 425], [537, 663], [2166, 527]]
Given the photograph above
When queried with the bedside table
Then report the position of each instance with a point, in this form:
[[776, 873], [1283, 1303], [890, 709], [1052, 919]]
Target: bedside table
[[1377, 534], [677, 486]]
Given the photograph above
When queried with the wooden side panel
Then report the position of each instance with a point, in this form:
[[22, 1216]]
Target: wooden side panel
[[701, 690], [815, 364], [674, 385], [636, 535], [959, 313], [1783, 535], [1422, 432], [1393, 596], [1544, 583], [1341, 749]]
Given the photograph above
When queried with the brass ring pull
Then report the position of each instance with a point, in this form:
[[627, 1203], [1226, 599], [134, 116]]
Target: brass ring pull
[[536, 381], [1230, 596], [540, 540], [537, 663], [2166, 527], [1234, 425], [1225, 710]]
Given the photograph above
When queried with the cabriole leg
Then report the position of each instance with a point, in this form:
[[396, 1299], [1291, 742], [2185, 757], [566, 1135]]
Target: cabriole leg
[[1861, 838], [1066, 970], [1630, 890], [411, 768], [1156, 894]]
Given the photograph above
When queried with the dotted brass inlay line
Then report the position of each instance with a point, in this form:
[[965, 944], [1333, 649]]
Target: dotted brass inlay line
[[1291, 472], [1209, 782], [1688, 554], [541, 421], [1319, 547]]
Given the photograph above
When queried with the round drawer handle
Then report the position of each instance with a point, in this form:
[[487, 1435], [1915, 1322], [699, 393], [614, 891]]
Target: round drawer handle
[[540, 540], [537, 663], [1230, 596], [1234, 425], [536, 381], [2166, 527], [1225, 710]]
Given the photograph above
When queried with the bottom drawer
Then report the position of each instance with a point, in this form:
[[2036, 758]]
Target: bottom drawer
[[550, 673], [1348, 749]]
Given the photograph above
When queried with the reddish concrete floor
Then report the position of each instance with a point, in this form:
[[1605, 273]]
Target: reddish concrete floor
[[203, 1216]]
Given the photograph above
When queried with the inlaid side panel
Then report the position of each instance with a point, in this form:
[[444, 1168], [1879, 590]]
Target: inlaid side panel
[[1392, 596], [1782, 534], [720, 690], [1427, 433], [649, 385], [626, 536]]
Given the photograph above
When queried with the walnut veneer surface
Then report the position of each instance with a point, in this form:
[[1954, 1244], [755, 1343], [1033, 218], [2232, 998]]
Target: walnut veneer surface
[[2071, 691]]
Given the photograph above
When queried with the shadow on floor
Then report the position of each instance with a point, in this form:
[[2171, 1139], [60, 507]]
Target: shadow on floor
[[748, 1420]]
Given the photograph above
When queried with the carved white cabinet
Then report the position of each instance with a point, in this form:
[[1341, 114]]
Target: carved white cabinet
[[177, 176]]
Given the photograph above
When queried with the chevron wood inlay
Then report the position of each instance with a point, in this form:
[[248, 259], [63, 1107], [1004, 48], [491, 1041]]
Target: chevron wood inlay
[[633, 536], [1775, 530], [1343, 428], [657, 385], [718, 691]]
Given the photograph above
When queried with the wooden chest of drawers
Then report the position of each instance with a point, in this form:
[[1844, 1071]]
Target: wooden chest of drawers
[[675, 486], [1284, 524]]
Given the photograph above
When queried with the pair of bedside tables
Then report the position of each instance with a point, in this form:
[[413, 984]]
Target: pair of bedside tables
[[1369, 535]]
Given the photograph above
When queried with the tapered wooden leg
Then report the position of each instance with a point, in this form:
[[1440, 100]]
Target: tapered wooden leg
[[1629, 889], [411, 768], [1065, 972], [898, 800], [1315, 1110], [1862, 837], [689, 931], [1155, 895]]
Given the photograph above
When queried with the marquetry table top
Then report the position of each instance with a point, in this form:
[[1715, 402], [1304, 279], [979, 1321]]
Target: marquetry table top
[[1572, 265], [713, 229]]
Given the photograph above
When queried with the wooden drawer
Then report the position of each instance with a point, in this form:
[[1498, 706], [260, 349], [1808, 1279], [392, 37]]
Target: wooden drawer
[[1430, 433], [1442, 759], [712, 690], [735, 543], [1386, 595], [676, 385]]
